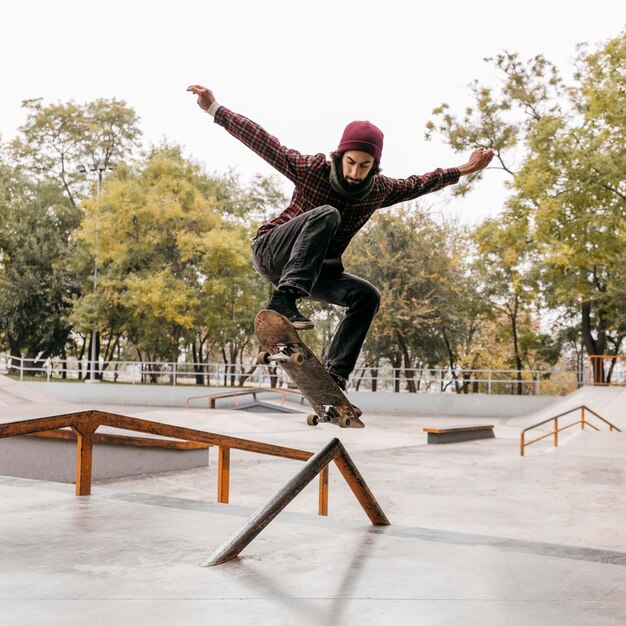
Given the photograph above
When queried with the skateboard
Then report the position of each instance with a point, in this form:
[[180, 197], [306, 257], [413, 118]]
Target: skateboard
[[284, 346]]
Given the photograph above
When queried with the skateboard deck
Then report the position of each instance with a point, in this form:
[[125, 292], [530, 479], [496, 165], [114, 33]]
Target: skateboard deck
[[284, 346]]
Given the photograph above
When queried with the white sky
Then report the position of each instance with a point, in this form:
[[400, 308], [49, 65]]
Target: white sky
[[303, 70]]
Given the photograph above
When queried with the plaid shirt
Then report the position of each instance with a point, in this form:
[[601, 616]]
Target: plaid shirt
[[310, 174]]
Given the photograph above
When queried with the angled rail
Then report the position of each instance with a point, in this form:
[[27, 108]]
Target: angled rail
[[332, 451], [555, 433], [237, 393]]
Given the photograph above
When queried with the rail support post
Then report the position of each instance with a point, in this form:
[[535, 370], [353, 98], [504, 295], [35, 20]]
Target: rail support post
[[84, 457], [223, 474]]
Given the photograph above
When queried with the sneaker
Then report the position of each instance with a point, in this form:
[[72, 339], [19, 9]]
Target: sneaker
[[342, 383], [284, 302]]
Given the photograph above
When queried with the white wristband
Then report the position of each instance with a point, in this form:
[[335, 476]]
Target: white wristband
[[213, 108]]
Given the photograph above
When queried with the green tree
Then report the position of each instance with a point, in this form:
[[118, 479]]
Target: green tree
[[407, 256], [174, 263], [54, 144], [569, 186], [59, 141], [36, 282]]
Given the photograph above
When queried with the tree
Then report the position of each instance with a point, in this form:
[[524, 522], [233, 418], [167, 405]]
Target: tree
[[174, 263], [58, 140], [53, 145], [569, 187], [407, 256], [36, 282]]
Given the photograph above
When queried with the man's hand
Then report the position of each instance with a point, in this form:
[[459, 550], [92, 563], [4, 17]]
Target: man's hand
[[205, 96], [479, 159]]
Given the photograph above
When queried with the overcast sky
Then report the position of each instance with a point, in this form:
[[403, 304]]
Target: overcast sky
[[303, 70]]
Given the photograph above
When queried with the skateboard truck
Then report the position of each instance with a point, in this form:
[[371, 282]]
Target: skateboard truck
[[330, 414], [285, 353]]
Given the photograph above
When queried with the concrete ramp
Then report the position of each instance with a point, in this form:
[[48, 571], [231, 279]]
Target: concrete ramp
[[608, 402], [13, 393]]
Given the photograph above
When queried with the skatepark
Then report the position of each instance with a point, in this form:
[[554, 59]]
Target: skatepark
[[478, 534]]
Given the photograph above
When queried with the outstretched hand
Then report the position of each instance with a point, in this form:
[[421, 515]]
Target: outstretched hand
[[205, 96], [479, 160]]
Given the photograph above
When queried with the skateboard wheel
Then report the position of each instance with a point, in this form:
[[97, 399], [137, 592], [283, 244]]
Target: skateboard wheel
[[297, 358], [263, 358], [344, 422], [312, 420]]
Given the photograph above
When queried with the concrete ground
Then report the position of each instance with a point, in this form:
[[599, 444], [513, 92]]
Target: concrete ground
[[478, 535]]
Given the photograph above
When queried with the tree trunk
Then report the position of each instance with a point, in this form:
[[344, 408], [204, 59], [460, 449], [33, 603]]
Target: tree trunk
[[516, 355], [594, 347], [198, 367]]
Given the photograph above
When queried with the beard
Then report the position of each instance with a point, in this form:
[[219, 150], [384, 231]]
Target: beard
[[352, 185]]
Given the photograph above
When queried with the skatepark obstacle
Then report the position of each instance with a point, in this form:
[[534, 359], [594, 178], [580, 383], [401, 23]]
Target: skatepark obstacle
[[85, 424], [583, 421], [333, 451], [253, 391], [455, 434]]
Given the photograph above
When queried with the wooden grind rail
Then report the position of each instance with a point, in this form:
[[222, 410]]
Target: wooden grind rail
[[85, 423]]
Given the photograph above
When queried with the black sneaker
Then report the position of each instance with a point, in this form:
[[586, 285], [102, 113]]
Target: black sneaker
[[342, 383], [284, 302]]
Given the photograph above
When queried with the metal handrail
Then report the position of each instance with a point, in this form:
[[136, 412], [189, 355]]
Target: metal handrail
[[85, 423], [333, 451], [582, 408], [235, 393]]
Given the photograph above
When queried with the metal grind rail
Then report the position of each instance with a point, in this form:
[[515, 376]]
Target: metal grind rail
[[333, 451], [245, 391], [85, 424], [583, 421]]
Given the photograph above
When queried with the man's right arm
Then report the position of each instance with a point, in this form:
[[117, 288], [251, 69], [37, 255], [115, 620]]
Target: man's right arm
[[288, 162]]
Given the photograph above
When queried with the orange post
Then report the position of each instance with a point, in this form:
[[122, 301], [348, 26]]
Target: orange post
[[323, 501], [84, 458], [556, 432], [223, 474]]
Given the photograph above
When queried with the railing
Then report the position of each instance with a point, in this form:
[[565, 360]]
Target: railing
[[85, 423], [420, 380], [333, 451], [614, 374], [237, 393], [555, 433]]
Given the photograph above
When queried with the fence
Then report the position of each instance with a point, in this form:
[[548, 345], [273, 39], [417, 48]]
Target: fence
[[426, 380]]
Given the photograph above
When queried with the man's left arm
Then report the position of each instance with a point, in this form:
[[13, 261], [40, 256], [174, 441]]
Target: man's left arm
[[401, 190]]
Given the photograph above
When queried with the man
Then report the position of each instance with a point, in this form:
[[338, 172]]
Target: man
[[300, 251]]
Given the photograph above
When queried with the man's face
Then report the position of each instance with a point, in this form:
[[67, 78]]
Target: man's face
[[356, 165]]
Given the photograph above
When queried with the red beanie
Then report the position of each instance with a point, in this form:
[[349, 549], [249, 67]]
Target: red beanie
[[362, 136]]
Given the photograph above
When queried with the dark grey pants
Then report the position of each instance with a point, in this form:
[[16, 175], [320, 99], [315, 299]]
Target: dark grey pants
[[292, 255]]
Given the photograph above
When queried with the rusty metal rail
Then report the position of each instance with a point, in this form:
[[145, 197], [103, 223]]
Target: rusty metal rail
[[333, 451], [555, 433], [237, 393], [85, 424]]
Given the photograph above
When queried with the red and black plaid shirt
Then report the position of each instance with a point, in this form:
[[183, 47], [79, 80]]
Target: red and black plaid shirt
[[310, 174]]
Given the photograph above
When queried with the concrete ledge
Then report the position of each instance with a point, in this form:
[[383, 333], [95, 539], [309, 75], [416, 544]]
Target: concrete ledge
[[459, 433]]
